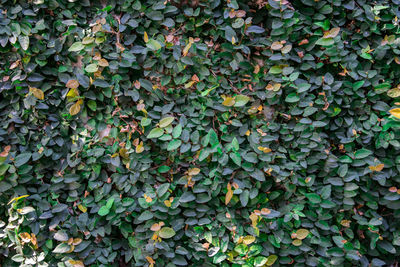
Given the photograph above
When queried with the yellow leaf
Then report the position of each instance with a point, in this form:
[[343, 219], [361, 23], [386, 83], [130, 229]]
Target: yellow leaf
[[37, 93], [76, 241], [194, 171], [273, 87], [103, 62], [302, 233], [123, 152], [167, 203], [395, 112], [72, 247], [264, 149], [233, 40], [271, 260], [140, 148], [249, 239], [345, 223], [145, 37], [248, 133], [229, 194], [186, 49], [17, 198], [297, 242], [76, 263], [74, 109], [276, 45], [395, 92], [189, 84], [72, 93], [72, 84], [82, 208], [229, 101], [254, 220], [147, 198], [377, 168]]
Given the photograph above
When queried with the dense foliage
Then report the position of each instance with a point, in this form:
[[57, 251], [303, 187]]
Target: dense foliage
[[199, 133]]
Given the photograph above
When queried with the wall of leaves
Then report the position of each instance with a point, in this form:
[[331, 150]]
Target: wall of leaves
[[199, 133]]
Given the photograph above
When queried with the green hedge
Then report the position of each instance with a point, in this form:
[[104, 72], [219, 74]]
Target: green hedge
[[199, 133]]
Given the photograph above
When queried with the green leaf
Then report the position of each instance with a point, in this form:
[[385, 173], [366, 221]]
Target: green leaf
[[22, 158], [62, 248], [235, 156], [174, 144], [4, 168], [163, 169], [325, 41], [260, 261], [155, 133], [145, 122], [110, 202], [87, 40], [166, 232], [177, 131], [187, 197], [235, 144], [18, 258], [241, 249], [76, 47], [153, 45], [162, 189], [103, 211], [24, 41], [362, 153], [166, 121], [314, 198], [213, 137], [145, 216], [91, 68], [204, 153], [292, 98], [358, 85], [92, 105], [241, 100], [275, 70]]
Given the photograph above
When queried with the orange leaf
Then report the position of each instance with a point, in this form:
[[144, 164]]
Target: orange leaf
[[72, 84], [229, 194], [377, 168], [150, 260], [332, 33], [5, 151]]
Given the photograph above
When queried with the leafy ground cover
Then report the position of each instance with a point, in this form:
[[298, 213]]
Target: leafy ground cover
[[199, 133]]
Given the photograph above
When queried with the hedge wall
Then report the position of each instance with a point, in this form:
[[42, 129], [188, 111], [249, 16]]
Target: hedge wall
[[199, 133]]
